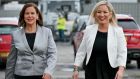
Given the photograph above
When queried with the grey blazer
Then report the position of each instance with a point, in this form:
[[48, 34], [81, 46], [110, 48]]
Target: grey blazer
[[26, 62]]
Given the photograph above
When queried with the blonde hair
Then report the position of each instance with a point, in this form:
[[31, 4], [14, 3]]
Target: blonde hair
[[112, 20]]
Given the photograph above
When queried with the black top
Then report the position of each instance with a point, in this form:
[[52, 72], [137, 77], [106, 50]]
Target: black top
[[98, 66], [100, 45], [99, 50], [30, 39]]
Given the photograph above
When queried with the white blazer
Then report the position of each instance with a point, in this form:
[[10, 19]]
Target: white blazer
[[116, 46]]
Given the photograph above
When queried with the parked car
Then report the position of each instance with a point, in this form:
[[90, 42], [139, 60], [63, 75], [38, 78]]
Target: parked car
[[7, 25], [132, 33], [79, 24]]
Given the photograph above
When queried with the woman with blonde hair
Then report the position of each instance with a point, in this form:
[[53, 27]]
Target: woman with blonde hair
[[104, 45]]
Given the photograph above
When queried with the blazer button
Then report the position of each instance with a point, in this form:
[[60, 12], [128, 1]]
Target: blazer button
[[33, 62]]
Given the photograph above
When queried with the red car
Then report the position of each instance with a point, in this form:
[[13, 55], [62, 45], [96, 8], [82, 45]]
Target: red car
[[7, 25], [132, 34]]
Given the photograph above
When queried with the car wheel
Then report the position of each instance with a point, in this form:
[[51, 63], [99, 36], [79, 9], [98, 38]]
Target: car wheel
[[138, 63]]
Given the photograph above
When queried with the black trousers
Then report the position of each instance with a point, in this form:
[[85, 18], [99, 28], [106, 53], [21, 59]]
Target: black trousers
[[28, 77]]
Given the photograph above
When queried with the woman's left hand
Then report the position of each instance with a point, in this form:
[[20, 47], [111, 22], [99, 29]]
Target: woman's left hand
[[46, 76], [119, 74]]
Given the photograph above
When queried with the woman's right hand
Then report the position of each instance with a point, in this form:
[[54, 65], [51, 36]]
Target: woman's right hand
[[75, 75]]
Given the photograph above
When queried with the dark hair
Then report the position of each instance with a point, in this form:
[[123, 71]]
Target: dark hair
[[21, 21]]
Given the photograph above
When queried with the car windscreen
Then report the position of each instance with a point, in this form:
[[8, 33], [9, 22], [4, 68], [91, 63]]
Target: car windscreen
[[7, 29], [82, 23], [127, 24]]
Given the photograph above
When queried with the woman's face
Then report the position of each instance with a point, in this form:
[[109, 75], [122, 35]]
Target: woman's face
[[30, 16], [103, 15]]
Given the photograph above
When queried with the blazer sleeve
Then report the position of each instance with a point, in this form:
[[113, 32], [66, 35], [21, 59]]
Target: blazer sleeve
[[122, 48], [81, 53], [51, 54], [11, 61]]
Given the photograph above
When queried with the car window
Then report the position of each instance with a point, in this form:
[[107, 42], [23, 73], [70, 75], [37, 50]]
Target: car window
[[7, 29], [83, 26], [72, 16], [127, 24], [82, 23]]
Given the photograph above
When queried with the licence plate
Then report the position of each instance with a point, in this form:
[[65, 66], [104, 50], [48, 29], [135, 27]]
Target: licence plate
[[4, 54]]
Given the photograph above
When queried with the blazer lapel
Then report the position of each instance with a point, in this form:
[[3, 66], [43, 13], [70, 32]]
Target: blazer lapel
[[110, 38], [92, 35], [25, 40], [36, 42], [37, 38], [111, 42]]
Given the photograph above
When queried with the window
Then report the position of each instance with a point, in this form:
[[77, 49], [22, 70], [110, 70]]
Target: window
[[7, 29], [128, 24]]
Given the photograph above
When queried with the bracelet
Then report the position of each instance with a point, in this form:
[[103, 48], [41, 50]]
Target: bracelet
[[76, 69]]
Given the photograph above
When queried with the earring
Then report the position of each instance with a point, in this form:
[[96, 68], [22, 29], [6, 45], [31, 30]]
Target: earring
[[37, 18]]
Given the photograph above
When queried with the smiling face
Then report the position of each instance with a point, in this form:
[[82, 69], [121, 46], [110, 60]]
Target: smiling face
[[30, 16], [102, 15]]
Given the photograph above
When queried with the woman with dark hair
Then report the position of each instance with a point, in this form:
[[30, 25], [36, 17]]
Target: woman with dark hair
[[33, 50]]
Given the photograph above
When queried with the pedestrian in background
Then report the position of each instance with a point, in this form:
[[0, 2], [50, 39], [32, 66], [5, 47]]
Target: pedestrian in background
[[61, 24], [33, 50], [104, 44]]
